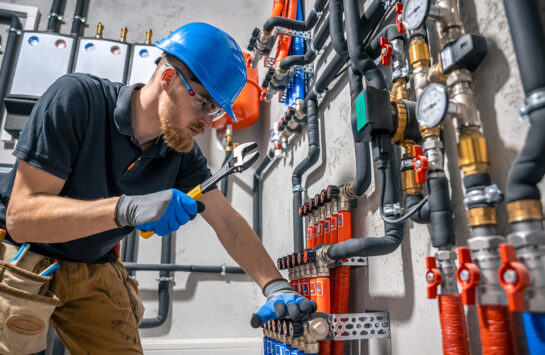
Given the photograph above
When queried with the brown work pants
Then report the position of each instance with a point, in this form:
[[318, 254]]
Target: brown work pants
[[99, 309]]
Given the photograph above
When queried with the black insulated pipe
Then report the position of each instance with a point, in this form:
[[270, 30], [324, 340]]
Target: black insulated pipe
[[373, 246], [372, 17], [422, 216], [313, 137], [295, 25], [312, 51], [336, 28], [55, 16], [361, 62], [257, 192], [529, 42], [225, 181], [327, 76], [79, 17], [10, 53], [442, 225], [185, 268]]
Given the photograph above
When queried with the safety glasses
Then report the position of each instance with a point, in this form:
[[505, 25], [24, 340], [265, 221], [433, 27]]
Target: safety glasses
[[203, 105]]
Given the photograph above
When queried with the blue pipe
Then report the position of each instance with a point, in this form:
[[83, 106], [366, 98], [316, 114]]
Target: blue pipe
[[296, 86], [534, 327]]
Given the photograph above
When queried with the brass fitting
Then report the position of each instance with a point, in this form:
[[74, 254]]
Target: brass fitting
[[402, 119], [437, 72], [124, 31], [524, 210], [481, 216], [419, 53], [399, 90], [148, 36], [100, 29], [408, 179], [426, 132], [472, 153]]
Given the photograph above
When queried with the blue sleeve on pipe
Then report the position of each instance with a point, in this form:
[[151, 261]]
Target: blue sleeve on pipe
[[534, 327]]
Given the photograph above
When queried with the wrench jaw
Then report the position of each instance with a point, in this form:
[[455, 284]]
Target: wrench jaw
[[249, 161]]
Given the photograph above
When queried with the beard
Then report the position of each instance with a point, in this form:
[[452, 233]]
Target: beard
[[175, 138]]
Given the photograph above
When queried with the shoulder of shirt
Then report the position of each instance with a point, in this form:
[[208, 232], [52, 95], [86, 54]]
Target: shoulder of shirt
[[81, 81]]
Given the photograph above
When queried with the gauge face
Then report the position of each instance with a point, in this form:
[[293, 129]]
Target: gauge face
[[432, 105], [415, 13]]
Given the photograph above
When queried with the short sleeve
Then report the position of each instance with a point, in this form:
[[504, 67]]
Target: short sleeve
[[55, 129], [193, 170]]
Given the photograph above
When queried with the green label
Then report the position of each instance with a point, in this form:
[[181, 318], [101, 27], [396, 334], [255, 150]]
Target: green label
[[361, 112]]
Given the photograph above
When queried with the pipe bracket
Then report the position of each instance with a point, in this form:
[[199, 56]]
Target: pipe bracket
[[79, 18], [489, 194], [357, 326], [532, 102], [293, 33], [297, 188]]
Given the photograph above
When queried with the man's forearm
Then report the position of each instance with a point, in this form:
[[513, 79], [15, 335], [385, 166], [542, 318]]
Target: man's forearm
[[246, 249], [46, 218]]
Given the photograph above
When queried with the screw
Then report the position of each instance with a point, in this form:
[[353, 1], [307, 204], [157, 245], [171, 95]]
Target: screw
[[510, 276], [464, 275], [430, 277]]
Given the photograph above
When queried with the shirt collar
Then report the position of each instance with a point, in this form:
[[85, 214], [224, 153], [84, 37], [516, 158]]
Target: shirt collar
[[123, 119]]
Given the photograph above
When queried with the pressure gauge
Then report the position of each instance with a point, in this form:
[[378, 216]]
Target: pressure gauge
[[415, 13], [432, 105]]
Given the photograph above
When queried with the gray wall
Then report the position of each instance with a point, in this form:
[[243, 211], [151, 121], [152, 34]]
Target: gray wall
[[215, 306]]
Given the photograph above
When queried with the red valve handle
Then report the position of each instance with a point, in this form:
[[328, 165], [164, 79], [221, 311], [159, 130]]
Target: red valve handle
[[399, 22], [513, 288], [435, 274], [420, 164], [473, 272], [386, 52]]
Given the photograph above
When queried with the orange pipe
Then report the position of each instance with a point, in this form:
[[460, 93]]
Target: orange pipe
[[453, 324], [278, 6], [342, 276], [334, 230], [320, 235], [497, 330], [284, 42]]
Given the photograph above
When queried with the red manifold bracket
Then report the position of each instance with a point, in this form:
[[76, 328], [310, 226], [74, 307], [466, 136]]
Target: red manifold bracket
[[433, 276], [399, 22], [386, 51], [513, 277], [420, 164], [468, 275]]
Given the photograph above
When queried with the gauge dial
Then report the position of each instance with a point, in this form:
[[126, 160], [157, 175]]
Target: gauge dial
[[432, 105], [415, 13]]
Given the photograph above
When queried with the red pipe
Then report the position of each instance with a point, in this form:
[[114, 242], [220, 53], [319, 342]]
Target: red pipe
[[278, 7], [497, 330], [342, 276], [453, 324]]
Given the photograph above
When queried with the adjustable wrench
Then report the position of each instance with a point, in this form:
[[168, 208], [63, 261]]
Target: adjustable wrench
[[244, 155]]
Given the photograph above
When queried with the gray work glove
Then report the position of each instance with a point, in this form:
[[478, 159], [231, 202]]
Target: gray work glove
[[282, 302], [161, 212]]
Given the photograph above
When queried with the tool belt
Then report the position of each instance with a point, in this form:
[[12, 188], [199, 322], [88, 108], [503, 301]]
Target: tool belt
[[26, 304]]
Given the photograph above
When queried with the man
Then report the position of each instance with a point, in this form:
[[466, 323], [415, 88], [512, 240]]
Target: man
[[98, 159]]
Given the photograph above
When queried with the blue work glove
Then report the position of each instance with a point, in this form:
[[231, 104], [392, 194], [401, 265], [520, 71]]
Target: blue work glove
[[161, 212], [282, 302]]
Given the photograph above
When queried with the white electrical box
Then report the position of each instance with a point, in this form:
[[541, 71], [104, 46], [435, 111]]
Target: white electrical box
[[103, 58]]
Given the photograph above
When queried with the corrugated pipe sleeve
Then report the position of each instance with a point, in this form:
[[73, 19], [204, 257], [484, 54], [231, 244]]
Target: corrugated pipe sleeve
[[313, 136], [306, 25], [56, 12], [257, 192]]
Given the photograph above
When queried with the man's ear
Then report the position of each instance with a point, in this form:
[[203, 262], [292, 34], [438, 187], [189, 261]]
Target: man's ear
[[167, 77]]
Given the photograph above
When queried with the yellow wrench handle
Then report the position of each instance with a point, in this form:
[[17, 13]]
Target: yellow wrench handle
[[196, 194]]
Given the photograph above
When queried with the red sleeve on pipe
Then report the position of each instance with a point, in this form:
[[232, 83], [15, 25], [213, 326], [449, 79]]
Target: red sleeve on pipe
[[453, 324], [320, 233], [497, 330], [284, 42], [278, 6], [334, 229], [327, 231]]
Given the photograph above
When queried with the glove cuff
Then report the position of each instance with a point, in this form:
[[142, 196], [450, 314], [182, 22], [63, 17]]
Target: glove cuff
[[120, 219], [274, 286]]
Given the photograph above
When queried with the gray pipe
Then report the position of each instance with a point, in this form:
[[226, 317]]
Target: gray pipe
[[10, 53], [313, 154], [185, 268], [257, 192], [55, 13], [79, 17]]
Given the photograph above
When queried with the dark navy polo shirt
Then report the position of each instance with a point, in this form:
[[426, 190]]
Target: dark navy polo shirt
[[80, 130]]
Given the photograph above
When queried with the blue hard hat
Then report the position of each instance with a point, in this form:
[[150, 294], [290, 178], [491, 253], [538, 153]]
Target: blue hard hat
[[213, 56]]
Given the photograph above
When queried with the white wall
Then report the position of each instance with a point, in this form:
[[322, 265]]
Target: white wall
[[210, 306]]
